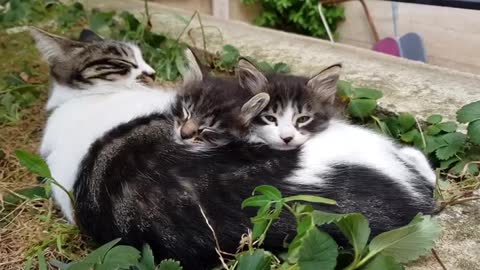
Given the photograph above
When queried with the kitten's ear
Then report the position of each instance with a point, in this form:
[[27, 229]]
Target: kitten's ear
[[324, 84], [88, 35], [254, 107], [250, 77], [52, 47], [193, 72]]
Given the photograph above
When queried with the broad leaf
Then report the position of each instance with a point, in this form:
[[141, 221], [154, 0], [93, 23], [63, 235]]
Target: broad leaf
[[310, 198], [317, 251], [367, 93], [356, 229], [256, 201], [148, 260], [381, 262], [98, 254], [169, 265], [270, 192], [42, 263], [454, 142], [474, 131], [33, 163], [410, 136], [121, 256], [434, 119], [81, 266], [448, 126], [344, 88], [469, 112], [361, 108], [26, 193], [409, 242], [406, 121], [320, 217], [281, 68], [257, 260]]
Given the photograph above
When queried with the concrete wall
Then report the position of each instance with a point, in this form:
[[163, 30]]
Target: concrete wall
[[451, 35]]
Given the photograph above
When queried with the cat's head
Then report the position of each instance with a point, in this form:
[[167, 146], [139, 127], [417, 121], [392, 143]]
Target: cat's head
[[92, 61], [299, 107], [213, 111]]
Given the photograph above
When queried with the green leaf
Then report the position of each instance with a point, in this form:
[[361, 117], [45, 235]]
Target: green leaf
[[257, 260], [433, 143], [148, 260], [361, 108], [98, 254], [310, 198], [81, 266], [154, 40], [344, 88], [28, 264], [406, 121], [281, 68], [256, 201], [433, 130], [367, 93], [434, 119], [121, 256], [409, 242], [469, 112], [259, 228], [320, 217], [33, 163], [25, 194], [381, 262], [169, 264], [448, 126], [454, 141], [410, 136], [474, 131], [356, 229], [270, 192], [132, 22], [318, 250], [42, 263]]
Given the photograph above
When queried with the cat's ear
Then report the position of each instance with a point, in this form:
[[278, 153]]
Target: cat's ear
[[250, 78], [88, 35], [193, 72], [254, 107], [324, 84], [52, 47]]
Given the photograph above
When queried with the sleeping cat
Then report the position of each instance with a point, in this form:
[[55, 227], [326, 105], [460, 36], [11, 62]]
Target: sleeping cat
[[99, 84], [136, 182]]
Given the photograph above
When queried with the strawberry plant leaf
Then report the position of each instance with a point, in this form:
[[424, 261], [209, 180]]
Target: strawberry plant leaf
[[33, 163], [361, 108], [469, 112], [344, 88], [406, 121], [434, 119], [409, 242], [473, 131], [367, 93], [318, 250], [256, 260], [169, 264], [310, 198], [270, 192], [381, 262], [448, 126], [356, 229], [98, 254], [455, 142]]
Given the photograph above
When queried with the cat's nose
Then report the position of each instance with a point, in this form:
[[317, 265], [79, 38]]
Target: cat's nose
[[287, 139], [147, 77], [188, 130]]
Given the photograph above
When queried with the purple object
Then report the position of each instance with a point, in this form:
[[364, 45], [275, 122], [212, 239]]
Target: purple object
[[388, 46]]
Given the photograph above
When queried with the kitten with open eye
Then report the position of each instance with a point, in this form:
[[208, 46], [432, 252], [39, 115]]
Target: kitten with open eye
[[299, 107]]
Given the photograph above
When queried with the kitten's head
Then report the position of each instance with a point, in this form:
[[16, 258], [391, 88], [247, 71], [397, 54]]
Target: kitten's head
[[213, 111], [299, 107], [92, 60]]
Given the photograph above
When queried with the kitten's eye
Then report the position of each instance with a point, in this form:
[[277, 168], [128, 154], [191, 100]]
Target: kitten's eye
[[270, 118], [186, 114], [303, 119], [206, 130]]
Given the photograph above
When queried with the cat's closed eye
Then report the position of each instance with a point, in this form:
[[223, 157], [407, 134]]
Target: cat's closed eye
[[269, 118]]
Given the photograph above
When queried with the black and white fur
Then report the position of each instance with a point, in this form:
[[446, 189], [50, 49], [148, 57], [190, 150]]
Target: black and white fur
[[138, 183]]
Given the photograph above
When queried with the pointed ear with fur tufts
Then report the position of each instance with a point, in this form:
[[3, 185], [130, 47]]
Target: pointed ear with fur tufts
[[52, 47], [250, 77], [324, 84], [88, 35], [193, 72], [254, 107]]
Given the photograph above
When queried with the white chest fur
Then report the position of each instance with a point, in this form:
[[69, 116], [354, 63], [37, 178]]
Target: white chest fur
[[77, 122], [342, 143]]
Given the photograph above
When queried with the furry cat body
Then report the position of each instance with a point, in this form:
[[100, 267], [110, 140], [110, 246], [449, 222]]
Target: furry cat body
[[150, 190]]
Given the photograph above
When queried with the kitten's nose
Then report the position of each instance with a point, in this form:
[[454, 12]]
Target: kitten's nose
[[147, 77], [188, 130], [287, 139]]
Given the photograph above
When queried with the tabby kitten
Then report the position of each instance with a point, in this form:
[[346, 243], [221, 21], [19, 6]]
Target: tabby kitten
[[212, 111], [298, 108], [97, 84]]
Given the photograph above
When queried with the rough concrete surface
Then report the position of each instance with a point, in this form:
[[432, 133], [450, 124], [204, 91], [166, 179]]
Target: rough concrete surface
[[408, 86]]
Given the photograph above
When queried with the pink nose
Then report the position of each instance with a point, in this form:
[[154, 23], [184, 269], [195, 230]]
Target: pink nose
[[287, 139]]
